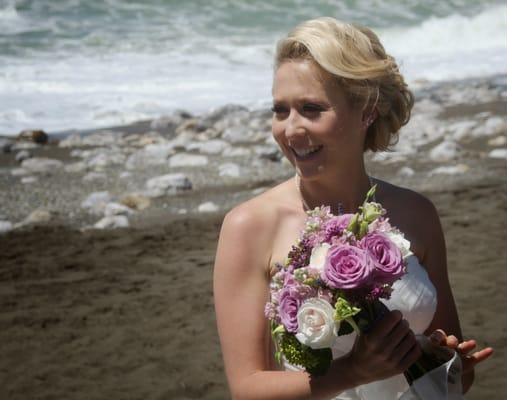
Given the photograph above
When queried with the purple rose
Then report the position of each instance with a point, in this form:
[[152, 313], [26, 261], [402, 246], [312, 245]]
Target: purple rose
[[289, 301], [388, 260], [347, 267]]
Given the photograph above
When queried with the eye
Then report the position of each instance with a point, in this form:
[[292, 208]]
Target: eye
[[278, 109], [312, 109]]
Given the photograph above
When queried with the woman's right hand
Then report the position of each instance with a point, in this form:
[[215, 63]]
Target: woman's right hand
[[388, 349]]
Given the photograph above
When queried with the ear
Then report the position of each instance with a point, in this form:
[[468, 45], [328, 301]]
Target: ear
[[369, 117]]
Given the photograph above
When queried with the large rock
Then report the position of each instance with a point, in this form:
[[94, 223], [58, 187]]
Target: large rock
[[73, 140], [208, 207], [96, 202], [106, 158], [41, 165], [103, 139], [112, 222], [36, 136], [445, 151], [136, 201], [167, 185], [22, 156], [187, 160], [449, 170]]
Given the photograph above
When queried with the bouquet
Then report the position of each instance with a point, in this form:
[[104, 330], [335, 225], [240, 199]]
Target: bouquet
[[331, 284]]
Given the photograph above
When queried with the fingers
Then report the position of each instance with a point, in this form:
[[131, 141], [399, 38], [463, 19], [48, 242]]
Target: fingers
[[480, 356], [438, 337], [466, 346]]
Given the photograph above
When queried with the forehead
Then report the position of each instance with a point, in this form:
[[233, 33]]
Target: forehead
[[298, 79]]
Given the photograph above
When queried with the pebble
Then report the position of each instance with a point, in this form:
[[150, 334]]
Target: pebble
[[449, 170], [113, 209], [498, 153], [94, 177], [187, 160], [229, 170], [112, 222], [6, 226], [41, 165], [208, 207], [96, 202], [498, 141], [29, 179], [445, 151], [136, 201], [167, 185], [406, 171], [22, 155]]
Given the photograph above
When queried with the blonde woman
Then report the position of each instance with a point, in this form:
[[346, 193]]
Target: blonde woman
[[336, 94]]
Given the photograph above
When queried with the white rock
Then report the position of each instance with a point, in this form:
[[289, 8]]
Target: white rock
[[445, 151], [187, 160], [268, 152], [22, 155], [462, 129], [96, 202], [236, 151], [135, 201], [449, 170], [498, 141], [215, 146], [117, 209], [29, 179], [167, 185], [125, 175], [105, 159], [208, 207], [38, 216], [94, 177], [79, 166], [229, 170], [19, 172], [103, 138], [182, 211], [42, 165], [495, 125], [24, 146], [406, 171], [498, 153], [73, 140], [112, 222], [5, 226], [151, 154]]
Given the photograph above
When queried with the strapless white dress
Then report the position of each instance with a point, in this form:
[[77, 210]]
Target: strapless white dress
[[415, 296]]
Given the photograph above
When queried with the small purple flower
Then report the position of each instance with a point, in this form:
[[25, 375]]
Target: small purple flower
[[347, 267], [388, 260], [336, 225]]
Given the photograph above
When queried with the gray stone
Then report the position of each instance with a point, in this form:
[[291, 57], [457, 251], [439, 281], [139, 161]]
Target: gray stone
[[187, 160], [449, 170], [215, 146], [136, 201], [445, 151], [94, 177], [167, 185], [236, 151], [462, 129], [41, 165], [498, 141], [105, 159], [103, 138], [39, 216], [76, 167], [267, 152], [6, 226], [112, 209], [96, 202], [73, 140], [112, 222], [19, 172], [26, 180], [406, 171], [23, 155], [229, 170]]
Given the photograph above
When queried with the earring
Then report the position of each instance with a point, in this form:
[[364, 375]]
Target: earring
[[369, 120]]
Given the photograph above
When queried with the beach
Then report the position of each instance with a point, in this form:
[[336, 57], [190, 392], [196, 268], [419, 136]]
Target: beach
[[112, 298]]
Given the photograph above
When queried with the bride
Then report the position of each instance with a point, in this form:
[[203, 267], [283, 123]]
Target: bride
[[336, 94]]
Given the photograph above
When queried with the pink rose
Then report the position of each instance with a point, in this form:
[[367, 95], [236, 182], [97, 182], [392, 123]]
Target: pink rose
[[347, 267]]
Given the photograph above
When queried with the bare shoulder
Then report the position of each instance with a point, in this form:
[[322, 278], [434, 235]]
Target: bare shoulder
[[413, 213]]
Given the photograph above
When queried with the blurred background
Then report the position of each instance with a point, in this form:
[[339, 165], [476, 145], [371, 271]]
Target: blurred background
[[95, 63]]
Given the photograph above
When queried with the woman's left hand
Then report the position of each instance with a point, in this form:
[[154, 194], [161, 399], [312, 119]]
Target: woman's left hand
[[468, 359]]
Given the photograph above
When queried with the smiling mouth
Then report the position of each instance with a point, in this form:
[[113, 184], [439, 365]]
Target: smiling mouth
[[305, 154]]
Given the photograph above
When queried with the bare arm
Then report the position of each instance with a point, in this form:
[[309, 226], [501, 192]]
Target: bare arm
[[241, 291]]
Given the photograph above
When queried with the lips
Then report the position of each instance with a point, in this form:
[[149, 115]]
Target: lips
[[306, 153]]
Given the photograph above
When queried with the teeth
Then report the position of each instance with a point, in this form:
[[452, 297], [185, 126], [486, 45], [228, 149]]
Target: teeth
[[305, 152]]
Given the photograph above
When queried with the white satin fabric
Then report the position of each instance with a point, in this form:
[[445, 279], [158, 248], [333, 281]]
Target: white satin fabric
[[415, 296]]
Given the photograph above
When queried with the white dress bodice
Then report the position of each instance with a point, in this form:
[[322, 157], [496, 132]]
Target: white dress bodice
[[415, 296]]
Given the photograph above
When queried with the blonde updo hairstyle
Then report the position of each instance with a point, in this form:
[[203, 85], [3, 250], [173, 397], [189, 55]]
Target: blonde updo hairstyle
[[354, 56]]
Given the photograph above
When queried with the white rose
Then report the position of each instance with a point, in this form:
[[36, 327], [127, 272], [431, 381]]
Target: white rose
[[400, 242], [318, 256], [316, 325]]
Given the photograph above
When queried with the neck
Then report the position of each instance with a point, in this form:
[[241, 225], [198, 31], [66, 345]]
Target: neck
[[347, 189]]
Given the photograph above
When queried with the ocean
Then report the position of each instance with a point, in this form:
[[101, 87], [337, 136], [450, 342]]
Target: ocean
[[83, 64]]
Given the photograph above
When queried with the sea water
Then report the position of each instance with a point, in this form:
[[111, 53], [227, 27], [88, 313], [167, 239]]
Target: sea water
[[95, 63]]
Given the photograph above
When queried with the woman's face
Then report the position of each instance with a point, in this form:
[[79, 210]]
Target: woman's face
[[313, 123]]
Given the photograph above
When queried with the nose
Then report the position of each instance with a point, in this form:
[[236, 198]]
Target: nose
[[294, 127]]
